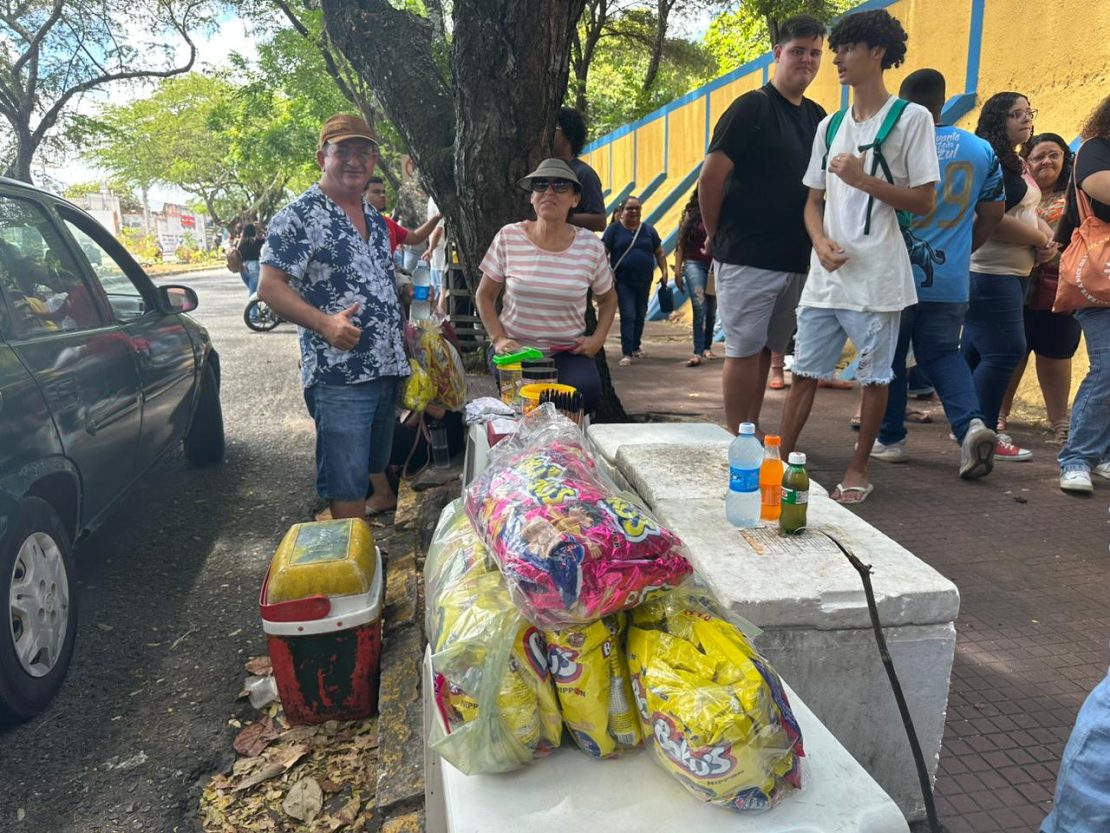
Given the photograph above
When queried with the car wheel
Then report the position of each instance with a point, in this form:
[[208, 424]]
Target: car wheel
[[38, 583], [259, 317], [204, 442]]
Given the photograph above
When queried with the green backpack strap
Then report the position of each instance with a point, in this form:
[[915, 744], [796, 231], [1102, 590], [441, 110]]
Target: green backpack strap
[[830, 133], [879, 161]]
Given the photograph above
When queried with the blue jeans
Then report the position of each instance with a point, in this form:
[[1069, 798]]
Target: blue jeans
[[934, 328], [354, 434], [1089, 434], [994, 337], [1082, 800], [632, 301], [251, 269], [704, 307]]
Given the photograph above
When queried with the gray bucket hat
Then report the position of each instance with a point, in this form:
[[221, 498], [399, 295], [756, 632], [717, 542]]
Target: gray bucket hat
[[550, 169]]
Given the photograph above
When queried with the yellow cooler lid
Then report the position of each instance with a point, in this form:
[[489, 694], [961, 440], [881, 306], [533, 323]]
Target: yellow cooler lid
[[327, 558]]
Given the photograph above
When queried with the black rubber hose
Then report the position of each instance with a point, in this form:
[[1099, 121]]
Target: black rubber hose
[[864, 571]]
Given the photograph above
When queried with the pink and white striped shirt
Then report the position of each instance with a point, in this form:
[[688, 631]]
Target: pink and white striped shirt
[[545, 292]]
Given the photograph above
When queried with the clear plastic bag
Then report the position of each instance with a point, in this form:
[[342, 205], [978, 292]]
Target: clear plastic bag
[[419, 390], [426, 343], [492, 687], [712, 709], [571, 547]]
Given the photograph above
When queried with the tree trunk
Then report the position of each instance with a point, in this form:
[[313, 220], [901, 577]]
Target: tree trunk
[[146, 212], [511, 61]]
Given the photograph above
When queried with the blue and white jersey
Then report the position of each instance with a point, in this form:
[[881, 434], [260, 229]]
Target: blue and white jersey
[[941, 242], [313, 240]]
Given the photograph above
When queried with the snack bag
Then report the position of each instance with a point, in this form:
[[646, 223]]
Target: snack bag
[[572, 549], [419, 389], [426, 343], [492, 687], [592, 685], [712, 709]]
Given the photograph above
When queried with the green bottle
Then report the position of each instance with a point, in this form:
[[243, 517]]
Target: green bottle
[[795, 495]]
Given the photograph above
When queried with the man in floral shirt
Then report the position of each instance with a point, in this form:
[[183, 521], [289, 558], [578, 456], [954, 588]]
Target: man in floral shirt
[[326, 267]]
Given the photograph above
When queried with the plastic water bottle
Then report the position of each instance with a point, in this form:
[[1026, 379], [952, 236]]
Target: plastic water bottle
[[745, 456], [421, 307]]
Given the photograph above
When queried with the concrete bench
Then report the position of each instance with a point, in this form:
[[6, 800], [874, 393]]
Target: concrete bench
[[569, 791], [807, 598]]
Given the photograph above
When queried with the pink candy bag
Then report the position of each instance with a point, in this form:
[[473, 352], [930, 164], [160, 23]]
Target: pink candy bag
[[571, 548]]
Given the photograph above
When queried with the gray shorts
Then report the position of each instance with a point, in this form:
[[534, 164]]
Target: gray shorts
[[756, 308]]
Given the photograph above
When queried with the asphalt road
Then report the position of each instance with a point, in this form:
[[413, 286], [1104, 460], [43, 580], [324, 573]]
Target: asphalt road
[[169, 607]]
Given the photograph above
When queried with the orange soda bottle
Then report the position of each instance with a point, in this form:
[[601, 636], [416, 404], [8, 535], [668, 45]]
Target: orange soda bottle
[[770, 479]]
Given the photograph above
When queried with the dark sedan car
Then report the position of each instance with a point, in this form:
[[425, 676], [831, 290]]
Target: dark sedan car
[[101, 372]]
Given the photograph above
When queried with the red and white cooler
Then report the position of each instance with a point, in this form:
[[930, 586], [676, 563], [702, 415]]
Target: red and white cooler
[[321, 605]]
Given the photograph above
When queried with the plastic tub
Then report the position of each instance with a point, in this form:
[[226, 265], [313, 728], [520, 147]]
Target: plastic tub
[[321, 605], [530, 394]]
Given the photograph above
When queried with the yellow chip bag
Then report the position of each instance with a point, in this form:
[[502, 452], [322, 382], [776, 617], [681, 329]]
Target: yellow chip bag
[[492, 688], [712, 709], [592, 685]]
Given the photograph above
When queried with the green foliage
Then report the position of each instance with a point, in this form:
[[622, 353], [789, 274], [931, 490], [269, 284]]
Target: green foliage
[[614, 86], [239, 148], [143, 247], [188, 251], [742, 34], [120, 189]]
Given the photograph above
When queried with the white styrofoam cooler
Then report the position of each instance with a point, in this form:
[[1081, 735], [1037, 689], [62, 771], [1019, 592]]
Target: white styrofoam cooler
[[807, 598], [569, 791]]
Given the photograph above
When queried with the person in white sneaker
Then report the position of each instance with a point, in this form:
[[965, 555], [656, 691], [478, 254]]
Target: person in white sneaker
[[1087, 450]]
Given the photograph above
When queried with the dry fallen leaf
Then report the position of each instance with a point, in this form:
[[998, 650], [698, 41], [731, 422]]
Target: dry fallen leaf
[[255, 737], [349, 811], [270, 770], [259, 666], [304, 800], [291, 754]]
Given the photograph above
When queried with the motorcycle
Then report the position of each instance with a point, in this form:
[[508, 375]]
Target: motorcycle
[[258, 315]]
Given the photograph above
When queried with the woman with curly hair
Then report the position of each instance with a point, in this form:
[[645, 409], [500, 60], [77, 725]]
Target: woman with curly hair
[[691, 275], [994, 329], [1053, 337], [1088, 447]]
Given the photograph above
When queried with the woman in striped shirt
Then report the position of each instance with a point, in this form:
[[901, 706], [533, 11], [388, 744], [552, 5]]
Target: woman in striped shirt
[[545, 268]]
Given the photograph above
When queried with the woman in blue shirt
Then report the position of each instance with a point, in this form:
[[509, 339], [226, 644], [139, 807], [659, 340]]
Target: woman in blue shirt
[[634, 251]]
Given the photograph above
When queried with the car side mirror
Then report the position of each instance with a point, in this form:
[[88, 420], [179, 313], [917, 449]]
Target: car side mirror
[[177, 298]]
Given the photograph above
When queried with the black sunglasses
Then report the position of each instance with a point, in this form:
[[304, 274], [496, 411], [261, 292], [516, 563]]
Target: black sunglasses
[[559, 186]]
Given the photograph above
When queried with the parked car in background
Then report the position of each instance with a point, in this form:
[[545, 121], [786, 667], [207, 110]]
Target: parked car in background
[[101, 373]]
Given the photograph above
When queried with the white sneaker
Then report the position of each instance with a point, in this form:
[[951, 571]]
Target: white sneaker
[[1006, 450], [1102, 470], [977, 450], [1076, 481], [893, 453]]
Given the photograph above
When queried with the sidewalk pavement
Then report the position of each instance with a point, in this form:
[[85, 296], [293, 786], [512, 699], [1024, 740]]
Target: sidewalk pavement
[[1030, 562]]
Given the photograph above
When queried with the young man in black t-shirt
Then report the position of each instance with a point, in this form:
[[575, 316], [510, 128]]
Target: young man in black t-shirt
[[752, 203], [569, 139]]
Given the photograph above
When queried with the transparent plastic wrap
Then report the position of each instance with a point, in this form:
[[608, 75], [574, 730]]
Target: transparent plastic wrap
[[713, 711], [571, 547], [592, 685], [426, 343], [492, 687], [419, 390]]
